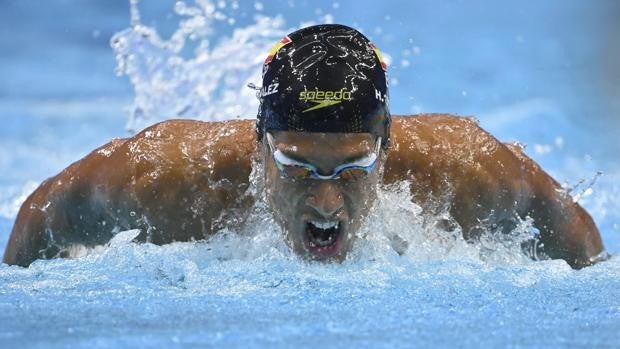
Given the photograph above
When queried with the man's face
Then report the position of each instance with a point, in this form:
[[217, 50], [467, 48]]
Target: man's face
[[320, 216]]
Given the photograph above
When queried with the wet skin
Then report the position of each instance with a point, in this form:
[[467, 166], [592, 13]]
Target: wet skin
[[182, 180]]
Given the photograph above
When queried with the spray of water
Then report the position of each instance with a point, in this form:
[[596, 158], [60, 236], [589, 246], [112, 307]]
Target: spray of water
[[210, 84], [396, 234]]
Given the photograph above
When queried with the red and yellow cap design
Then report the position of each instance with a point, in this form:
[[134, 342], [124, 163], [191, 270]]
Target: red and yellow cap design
[[272, 53], [381, 60]]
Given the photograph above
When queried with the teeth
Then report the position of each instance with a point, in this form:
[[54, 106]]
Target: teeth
[[321, 243], [325, 225]]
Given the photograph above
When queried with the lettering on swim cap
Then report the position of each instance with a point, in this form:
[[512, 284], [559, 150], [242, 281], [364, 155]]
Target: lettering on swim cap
[[381, 97], [324, 98], [269, 90]]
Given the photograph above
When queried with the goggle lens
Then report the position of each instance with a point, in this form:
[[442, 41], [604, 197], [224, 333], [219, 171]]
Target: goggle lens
[[353, 173], [294, 171]]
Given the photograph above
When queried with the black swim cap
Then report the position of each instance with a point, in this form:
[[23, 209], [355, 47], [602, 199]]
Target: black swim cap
[[325, 78]]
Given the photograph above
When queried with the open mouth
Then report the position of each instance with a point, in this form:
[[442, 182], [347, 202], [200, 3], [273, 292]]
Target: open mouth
[[323, 238]]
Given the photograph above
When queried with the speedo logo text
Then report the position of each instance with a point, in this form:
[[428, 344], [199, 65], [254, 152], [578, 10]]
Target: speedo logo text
[[324, 98]]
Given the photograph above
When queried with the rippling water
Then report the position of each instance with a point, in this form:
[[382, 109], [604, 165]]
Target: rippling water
[[525, 70]]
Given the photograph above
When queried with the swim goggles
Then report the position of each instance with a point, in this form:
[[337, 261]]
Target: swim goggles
[[291, 168]]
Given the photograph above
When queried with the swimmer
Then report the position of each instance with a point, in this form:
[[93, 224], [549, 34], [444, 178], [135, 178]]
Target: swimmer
[[324, 139]]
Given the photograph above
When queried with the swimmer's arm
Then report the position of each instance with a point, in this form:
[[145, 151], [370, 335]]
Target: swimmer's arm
[[567, 231], [27, 240], [46, 217]]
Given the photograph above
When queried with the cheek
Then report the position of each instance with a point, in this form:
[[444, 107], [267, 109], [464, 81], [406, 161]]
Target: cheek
[[280, 193], [361, 196]]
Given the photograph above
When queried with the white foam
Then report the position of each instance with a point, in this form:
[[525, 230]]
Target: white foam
[[211, 83]]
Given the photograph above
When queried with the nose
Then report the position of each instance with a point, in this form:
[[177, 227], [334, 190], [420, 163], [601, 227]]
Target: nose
[[326, 199]]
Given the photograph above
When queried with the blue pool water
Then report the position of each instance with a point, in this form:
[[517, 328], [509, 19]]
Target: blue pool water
[[544, 74]]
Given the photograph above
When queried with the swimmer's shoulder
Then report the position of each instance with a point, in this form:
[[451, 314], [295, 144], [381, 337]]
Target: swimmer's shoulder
[[182, 139], [451, 138], [444, 146], [171, 149], [191, 146], [426, 136], [438, 128], [194, 137]]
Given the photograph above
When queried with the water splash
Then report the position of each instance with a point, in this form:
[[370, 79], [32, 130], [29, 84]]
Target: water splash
[[211, 83], [12, 197], [395, 235], [581, 189]]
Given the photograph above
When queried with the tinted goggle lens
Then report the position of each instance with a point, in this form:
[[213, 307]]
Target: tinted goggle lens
[[354, 173], [294, 171]]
